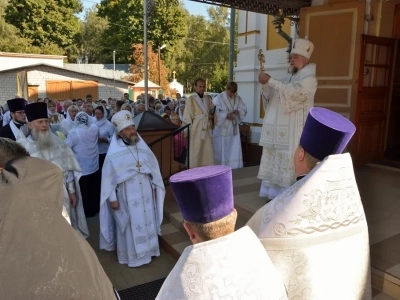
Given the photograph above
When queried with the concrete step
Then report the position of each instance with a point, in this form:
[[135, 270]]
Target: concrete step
[[386, 284]]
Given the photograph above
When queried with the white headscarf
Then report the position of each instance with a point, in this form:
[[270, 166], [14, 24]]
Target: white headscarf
[[82, 119], [67, 124], [102, 120]]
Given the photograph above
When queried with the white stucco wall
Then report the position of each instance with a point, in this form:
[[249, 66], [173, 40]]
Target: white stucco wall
[[39, 75], [177, 86], [16, 60]]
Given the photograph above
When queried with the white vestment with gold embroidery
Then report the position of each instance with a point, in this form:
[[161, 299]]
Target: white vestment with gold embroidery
[[286, 105], [316, 234], [231, 267]]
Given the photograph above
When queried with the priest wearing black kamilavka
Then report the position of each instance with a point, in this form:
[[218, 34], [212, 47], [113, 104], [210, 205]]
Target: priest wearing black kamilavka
[[18, 119], [42, 143]]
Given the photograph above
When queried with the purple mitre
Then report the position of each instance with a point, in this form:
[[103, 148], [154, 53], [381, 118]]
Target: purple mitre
[[204, 194], [325, 133]]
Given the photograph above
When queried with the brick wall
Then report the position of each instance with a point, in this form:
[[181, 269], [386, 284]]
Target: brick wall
[[39, 75]]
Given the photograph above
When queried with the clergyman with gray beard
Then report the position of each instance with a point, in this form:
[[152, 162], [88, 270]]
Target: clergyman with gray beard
[[286, 105], [41, 143]]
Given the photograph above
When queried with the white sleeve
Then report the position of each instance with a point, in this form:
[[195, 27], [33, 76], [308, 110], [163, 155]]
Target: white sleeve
[[294, 96], [113, 197]]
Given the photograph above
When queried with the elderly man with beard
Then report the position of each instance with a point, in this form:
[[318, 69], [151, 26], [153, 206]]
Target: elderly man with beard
[[286, 104], [43, 144], [132, 196]]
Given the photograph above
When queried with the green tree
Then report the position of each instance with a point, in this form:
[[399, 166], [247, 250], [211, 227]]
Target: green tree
[[46, 23], [90, 46], [166, 25], [137, 69], [8, 33], [204, 52]]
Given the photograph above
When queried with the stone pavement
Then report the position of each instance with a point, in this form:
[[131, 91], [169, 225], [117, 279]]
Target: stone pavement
[[122, 276]]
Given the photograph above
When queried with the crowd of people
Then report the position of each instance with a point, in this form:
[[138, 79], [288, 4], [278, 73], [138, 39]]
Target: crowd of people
[[309, 241]]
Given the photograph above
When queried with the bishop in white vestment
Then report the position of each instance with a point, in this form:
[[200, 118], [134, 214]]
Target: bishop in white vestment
[[132, 196], [286, 106], [221, 264], [316, 232], [45, 145], [230, 111]]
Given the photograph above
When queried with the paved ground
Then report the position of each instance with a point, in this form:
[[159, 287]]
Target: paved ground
[[122, 276]]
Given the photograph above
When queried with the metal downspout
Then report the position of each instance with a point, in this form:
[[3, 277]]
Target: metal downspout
[[278, 21]]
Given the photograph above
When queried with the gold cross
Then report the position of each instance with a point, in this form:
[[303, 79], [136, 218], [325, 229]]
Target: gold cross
[[174, 73], [138, 165]]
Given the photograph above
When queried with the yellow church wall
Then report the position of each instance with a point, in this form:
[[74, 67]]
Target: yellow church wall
[[274, 40]]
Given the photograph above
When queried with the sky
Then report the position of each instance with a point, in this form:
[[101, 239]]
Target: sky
[[195, 8]]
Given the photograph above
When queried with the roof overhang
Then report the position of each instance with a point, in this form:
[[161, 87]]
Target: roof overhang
[[285, 8]]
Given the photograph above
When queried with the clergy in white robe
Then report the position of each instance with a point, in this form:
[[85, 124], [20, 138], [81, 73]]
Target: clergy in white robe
[[198, 113], [315, 231], [132, 196], [230, 111], [286, 106], [45, 145], [221, 263]]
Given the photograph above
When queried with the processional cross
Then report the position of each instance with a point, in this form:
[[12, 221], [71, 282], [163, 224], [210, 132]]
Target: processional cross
[[261, 59]]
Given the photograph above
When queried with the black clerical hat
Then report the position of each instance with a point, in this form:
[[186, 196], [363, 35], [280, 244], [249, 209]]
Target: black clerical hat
[[16, 104], [36, 111]]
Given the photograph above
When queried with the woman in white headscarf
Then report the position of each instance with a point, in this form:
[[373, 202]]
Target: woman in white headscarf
[[55, 118], [69, 123], [106, 131], [83, 141]]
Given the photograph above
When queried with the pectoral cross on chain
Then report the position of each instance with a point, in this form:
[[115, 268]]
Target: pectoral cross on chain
[[138, 165]]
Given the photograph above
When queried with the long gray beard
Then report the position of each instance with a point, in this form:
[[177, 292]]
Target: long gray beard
[[132, 141], [43, 139]]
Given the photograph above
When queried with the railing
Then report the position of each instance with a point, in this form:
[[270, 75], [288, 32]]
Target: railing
[[172, 151]]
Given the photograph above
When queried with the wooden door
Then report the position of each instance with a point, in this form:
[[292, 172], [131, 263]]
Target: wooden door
[[58, 89], [376, 67], [33, 93], [80, 89], [396, 22], [335, 31]]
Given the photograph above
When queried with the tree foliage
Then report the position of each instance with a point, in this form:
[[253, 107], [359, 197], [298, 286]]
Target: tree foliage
[[46, 23], [204, 52], [89, 39], [137, 69], [166, 25]]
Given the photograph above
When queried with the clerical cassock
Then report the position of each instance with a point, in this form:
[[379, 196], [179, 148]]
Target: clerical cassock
[[12, 129]]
